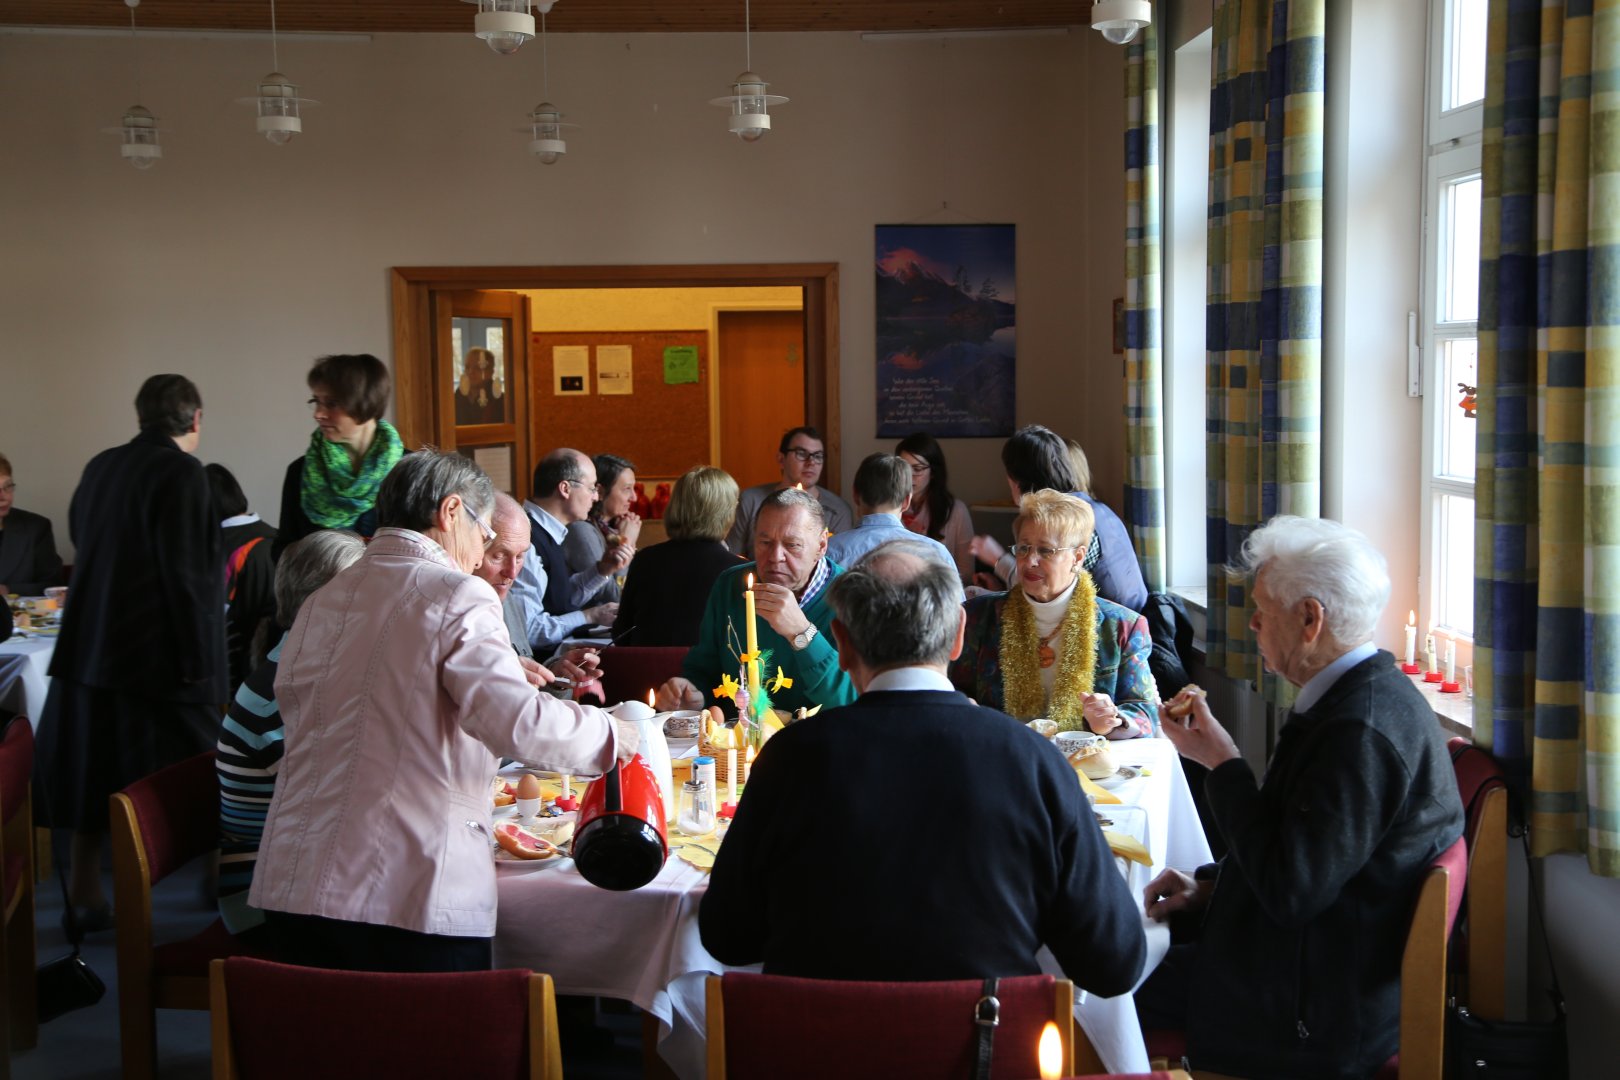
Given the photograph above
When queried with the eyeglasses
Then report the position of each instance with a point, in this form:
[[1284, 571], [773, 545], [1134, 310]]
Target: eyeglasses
[[918, 470], [817, 456], [1041, 553], [324, 403], [8, 487], [483, 527]]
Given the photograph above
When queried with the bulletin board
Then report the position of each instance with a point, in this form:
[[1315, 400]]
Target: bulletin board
[[663, 428]]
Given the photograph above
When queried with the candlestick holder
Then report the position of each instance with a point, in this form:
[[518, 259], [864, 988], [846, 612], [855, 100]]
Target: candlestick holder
[[1412, 669], [570, 803], [727, 810], [1433, 676], [1450, 688]]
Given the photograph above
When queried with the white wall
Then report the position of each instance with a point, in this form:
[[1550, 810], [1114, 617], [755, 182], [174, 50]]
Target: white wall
[[237, 262]]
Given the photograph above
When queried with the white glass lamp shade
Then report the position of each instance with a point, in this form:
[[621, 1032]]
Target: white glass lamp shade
[[278, 108], [1120, 20], [503, 25], [545, 125], [749, 105], [139, 132]]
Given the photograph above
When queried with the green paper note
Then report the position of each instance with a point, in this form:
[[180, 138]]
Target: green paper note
[[680, 364]]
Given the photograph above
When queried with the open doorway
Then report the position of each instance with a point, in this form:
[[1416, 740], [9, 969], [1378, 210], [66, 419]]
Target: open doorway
[[780, 320]]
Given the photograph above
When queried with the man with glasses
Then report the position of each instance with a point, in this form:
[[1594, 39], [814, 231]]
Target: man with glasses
[[801, 457], [554, 598]]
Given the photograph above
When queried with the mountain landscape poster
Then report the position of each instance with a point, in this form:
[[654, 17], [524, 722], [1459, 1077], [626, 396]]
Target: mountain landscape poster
[[946, 330]]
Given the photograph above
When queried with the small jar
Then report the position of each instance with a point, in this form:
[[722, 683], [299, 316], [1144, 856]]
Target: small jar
[[695, 816]]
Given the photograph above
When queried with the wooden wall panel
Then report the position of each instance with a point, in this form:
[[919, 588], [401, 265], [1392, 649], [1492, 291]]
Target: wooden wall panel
[[663, 429]]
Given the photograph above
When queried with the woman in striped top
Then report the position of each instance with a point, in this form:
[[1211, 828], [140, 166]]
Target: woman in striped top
[[250, 743]]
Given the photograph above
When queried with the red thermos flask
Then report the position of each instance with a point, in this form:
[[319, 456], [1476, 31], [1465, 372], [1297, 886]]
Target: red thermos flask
[[619, 843]]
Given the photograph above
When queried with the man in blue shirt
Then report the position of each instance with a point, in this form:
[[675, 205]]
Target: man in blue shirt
[[882, 493]]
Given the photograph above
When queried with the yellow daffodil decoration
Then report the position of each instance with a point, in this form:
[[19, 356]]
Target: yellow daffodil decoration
[[780, 683], [728, 687]]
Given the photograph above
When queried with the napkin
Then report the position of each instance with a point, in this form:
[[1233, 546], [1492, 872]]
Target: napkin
[[697, 856], [1127, 847], [1098, 793]]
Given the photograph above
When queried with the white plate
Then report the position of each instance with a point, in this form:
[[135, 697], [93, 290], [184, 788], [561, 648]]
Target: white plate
[[512, 864], [1122, 775]]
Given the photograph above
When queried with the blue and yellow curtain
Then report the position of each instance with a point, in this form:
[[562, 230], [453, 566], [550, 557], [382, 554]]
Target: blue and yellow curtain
[[1264, 320], [1547, 528], [1144, 375]]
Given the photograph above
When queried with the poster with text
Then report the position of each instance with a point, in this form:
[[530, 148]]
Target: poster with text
[[946, 330]]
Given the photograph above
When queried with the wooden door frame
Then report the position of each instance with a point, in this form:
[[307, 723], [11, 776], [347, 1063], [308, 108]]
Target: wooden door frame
[[413, 287]]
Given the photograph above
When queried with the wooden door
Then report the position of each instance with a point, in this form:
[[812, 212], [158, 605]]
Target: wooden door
[[481, 407], [761, 377]]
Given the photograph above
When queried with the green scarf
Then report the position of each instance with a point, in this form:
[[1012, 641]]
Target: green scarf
[[333, 495]]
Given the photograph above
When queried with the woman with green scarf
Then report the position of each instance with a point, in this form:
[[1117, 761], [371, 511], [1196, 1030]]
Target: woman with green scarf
[[334, 485]]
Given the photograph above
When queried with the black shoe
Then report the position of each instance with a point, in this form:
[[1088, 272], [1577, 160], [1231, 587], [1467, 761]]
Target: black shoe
[[90, 920]]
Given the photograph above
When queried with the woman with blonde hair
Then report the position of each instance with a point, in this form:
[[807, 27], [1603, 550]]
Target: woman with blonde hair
[[668, 584], [1050, 646]]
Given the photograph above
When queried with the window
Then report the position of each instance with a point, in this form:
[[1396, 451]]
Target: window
[[1450, 308]]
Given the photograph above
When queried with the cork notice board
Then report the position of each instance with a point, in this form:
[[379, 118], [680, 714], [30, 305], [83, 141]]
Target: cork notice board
[[663, 429]]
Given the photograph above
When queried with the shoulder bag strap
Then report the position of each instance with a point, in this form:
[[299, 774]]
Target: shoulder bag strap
[[986, 1017]]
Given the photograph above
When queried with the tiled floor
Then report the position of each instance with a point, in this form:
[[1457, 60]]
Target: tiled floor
[[599, 1043]]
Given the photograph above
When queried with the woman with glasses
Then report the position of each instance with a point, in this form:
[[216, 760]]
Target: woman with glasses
[[334, 485], [934, 511], [29, 563], [1050, 646], [399, 692]]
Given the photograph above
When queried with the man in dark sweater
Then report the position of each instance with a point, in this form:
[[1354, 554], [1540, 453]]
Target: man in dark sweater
[[555, 600], [962, 843], [1297, 969]]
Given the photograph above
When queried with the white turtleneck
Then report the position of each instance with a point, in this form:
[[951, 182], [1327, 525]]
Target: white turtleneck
[[1049, 616]]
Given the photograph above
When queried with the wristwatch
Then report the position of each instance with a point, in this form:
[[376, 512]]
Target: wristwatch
[[801, 641]]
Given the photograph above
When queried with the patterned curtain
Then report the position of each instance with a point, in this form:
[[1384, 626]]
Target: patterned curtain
[[1547, 527], [1264, 324], [1144, 393]]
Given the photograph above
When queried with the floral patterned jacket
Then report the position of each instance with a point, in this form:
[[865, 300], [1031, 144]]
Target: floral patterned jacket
[[1123, 646]]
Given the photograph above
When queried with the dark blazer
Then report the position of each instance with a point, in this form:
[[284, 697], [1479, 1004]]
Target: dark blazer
[[29, 563], [147, 611], [1298, 967], [666, 590], [914, 835]]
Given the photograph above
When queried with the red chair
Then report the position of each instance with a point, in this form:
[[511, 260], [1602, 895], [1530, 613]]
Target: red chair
[[159, 824], [276, 1021], [1423, 979], [1483, 787], [19, 1019], [629, 671], [784, 1028]]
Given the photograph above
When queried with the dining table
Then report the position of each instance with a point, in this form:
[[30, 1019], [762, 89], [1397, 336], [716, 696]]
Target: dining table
[[25, 662], [643, 945]]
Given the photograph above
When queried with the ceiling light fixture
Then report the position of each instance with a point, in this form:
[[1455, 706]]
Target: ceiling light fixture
[[277, 101], [1120, 20], [545, 122], [138, 130], [503, 25], [748, 101]]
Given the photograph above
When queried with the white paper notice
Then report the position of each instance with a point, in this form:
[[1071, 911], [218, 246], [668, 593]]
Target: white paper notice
[[613, 369], [496, 461], [571, 369]]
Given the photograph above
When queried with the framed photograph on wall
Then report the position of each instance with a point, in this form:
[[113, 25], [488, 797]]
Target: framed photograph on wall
[[946, 305]]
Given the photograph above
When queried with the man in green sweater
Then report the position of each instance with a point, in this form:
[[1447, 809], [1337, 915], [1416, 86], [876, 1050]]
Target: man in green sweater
[[792, 572]]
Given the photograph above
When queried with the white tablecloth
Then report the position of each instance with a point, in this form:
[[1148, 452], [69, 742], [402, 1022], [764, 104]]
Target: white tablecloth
[[643, 946], [23, 682]]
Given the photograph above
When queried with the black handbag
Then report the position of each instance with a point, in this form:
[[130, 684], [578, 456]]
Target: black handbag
[[1480, 1049]]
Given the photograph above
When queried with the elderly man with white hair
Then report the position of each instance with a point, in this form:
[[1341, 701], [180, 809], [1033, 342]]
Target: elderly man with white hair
[[1297, 968]]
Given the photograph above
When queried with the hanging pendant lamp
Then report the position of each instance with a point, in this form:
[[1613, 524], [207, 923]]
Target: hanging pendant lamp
[[1120, 20], [748, 101], [277, 101], [504, 25], [545, 121], [138, 132]]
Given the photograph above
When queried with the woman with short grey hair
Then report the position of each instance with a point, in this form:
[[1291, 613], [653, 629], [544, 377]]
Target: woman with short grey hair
[[248, 754], [400, 678]]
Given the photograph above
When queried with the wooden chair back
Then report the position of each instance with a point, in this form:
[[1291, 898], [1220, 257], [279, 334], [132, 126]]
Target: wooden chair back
[[19, 1016]]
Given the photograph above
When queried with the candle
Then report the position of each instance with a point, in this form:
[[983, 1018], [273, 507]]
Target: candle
[[753, 636], [1411, 638], [1428, 652], [1049, 1052], [1451, 660], [731, 774], [567, 786]]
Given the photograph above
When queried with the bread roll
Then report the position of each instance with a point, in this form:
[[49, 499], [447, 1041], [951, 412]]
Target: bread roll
[[1182, 704], [1095, 761]]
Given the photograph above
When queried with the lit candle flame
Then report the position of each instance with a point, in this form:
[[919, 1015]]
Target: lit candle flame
[[750, 583], [798, 487], [1411, 618], [652, 700], [1050, 1052]]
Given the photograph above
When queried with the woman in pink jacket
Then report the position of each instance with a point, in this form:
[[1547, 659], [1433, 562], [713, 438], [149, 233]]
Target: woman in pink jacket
[[399, 689]]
